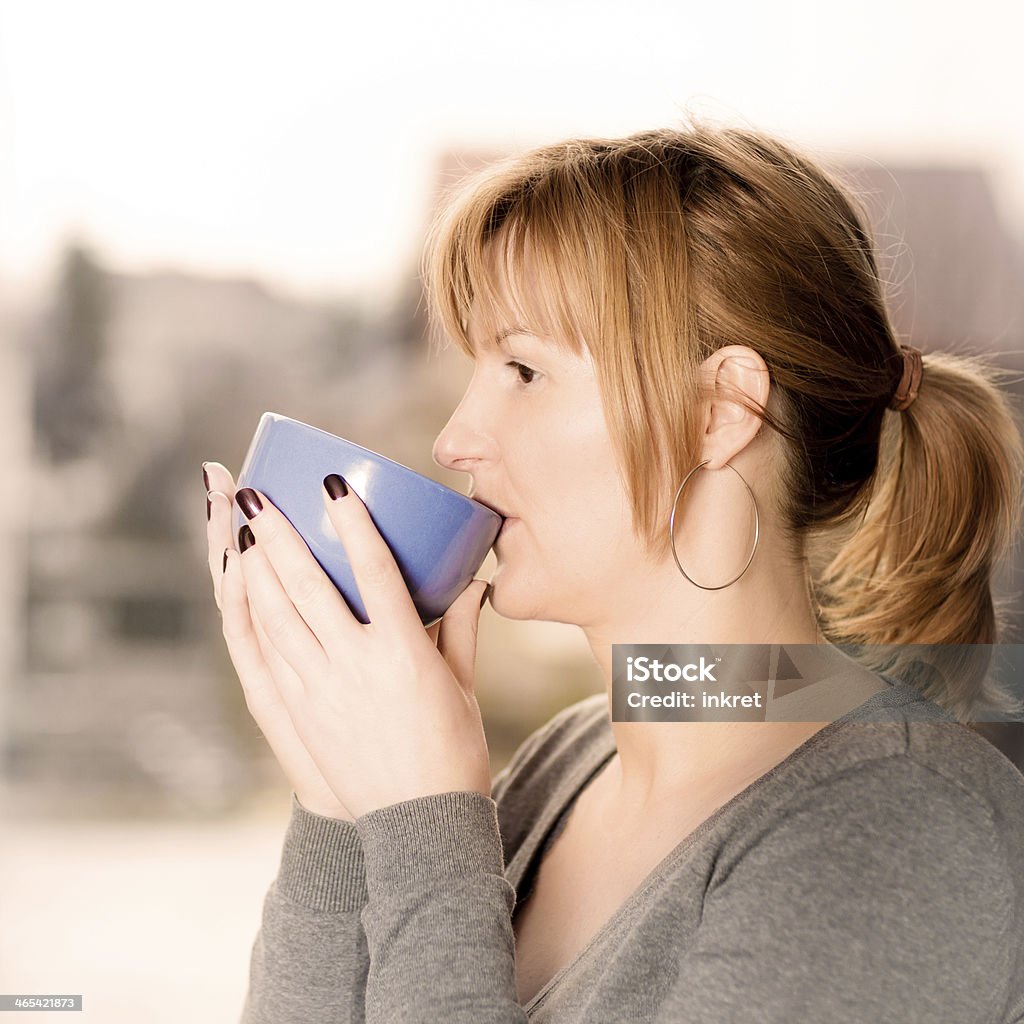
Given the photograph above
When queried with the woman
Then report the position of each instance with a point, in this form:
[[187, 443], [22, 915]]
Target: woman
[[652, 318]]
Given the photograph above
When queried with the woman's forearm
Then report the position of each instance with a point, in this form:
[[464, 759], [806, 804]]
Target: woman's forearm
[[309, 961], [439, 917]]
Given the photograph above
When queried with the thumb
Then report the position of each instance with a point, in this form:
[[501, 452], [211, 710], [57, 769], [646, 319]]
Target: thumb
[[457, 638]]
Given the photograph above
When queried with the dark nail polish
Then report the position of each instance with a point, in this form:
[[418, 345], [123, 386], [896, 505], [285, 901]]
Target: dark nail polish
[[248, 502], [206, 479], [335, 486], [207, 506], [246, 539], [224, 568]]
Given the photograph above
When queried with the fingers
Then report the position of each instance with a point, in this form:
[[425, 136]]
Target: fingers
[[458, 636], [265, 677], [378, 577], [287, 576], [285, 677], [287, 630], [218, 478], [243, 646], [220, 491], [262, 672], [219, 539]]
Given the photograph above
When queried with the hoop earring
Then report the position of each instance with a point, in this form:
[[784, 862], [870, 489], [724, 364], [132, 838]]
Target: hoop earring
[[672, 523]]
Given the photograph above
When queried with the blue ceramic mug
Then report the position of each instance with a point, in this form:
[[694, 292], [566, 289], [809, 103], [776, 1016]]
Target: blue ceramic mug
[[439, 537]]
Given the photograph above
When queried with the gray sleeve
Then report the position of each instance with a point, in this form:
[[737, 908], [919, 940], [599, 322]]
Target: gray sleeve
[[309, 961], [881, 896], [439, 917]]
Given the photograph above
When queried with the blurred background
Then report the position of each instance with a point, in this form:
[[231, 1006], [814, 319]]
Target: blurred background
[[208, 210]]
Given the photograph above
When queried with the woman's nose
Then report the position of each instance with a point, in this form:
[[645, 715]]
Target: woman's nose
[[463, 442]]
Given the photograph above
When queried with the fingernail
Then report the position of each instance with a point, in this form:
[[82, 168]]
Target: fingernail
[[206, 479], [224, 568], [246, 539], [249, 502], [335, 486]]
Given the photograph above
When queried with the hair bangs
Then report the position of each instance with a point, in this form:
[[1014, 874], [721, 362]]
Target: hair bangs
[[501, 258]]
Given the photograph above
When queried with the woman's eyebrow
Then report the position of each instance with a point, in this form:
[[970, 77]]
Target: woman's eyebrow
[[507, 332]]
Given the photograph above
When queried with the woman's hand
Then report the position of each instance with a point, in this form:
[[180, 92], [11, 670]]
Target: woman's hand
[[385, 714], [261, 670]]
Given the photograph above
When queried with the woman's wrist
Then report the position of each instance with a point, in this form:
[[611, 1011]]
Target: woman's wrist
[[336, 811], [419, 841]]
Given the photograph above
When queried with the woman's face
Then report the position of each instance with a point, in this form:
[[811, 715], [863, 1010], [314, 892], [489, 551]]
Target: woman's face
[[530, 430]]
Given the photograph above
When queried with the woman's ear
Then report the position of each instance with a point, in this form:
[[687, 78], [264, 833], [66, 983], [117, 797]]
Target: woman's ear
[[734, 372]]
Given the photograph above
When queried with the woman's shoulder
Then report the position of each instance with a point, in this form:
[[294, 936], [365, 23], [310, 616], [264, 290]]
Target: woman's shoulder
[[904, 725], [893, 766], [898, 732], [964, 759], [909, 834], [919, 759], [901, 765], [921, 805]]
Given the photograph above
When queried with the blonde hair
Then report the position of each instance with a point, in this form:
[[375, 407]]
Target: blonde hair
[[657, 249]]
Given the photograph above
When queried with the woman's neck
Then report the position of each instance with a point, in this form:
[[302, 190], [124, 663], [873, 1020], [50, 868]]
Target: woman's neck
[[661, 762]]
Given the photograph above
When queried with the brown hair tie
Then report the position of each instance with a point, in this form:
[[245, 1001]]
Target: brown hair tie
[[910, 379]]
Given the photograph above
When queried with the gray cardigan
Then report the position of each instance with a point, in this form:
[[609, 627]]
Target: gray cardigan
[[874, 875]]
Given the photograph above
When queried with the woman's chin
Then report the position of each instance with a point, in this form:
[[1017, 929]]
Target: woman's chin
[[514, 602], [501, 600]]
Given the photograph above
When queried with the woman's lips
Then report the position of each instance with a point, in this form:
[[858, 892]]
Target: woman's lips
[[505, 520], [487, 504]]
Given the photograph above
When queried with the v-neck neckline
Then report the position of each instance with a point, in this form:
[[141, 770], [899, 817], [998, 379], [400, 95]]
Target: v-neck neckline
[[578, 780]]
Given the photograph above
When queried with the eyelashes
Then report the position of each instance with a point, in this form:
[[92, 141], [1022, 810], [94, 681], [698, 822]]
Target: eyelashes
[[520, 369]]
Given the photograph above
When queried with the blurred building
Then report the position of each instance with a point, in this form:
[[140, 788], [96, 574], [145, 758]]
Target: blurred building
[[15, 447], [119, 694], [954, 268]]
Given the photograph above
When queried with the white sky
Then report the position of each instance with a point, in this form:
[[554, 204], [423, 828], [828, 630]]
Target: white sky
[[296, 141]]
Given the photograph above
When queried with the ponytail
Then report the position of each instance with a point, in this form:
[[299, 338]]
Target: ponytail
[[944, 509]]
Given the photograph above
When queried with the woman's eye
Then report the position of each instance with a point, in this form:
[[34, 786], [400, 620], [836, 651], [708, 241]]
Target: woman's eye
[[520, 370]]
